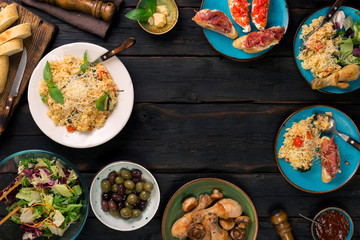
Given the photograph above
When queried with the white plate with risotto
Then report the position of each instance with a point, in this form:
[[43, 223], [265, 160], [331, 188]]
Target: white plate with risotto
[[96, 100]]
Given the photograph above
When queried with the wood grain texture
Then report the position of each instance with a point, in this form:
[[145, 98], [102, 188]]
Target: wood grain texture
[[36, 44]]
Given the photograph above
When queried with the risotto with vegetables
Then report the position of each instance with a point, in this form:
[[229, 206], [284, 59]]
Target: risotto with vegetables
[[89, 94], [302, 142], [322, 49]]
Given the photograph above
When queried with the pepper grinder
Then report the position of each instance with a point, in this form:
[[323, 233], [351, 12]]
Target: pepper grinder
[[97, 8], [280, 220]]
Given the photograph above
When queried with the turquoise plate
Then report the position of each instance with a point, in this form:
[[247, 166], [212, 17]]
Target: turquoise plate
[[354, 85], [278, 16], [310, 181]]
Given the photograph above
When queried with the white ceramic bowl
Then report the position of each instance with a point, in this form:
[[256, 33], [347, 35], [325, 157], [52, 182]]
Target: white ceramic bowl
[[119, 223], [117, 119]]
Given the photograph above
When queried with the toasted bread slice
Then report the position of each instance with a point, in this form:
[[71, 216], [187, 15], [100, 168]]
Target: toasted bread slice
[[11, 47], [19, 31], [4, 69], [262, 9], [208, 25], [8, 16], [240, 43]]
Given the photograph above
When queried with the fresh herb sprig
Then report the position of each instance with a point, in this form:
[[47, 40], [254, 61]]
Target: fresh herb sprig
[[146, 9], [100, 102], [54, 92], [84, 65]]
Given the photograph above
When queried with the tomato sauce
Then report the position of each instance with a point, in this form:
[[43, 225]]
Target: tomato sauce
[[335, 226]]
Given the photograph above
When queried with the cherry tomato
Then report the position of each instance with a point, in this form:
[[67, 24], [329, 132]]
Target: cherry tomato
[[70, 128], [298, 142]]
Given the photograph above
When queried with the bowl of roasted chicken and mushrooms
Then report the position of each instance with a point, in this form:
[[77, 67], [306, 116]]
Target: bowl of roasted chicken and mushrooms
[[210, 208]]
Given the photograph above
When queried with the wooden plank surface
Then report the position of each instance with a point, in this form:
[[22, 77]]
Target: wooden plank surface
[[198, 114], [42, 33]]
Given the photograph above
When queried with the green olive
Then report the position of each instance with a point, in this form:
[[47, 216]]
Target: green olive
[[139, 187], [125, 173], [148, 186], [115, 213], [129, 184], [114, 188], [105, 186], [135, 213], [125, 212], [131, 199], [128, 191], [127, 205], [119, 180], [144, 195]]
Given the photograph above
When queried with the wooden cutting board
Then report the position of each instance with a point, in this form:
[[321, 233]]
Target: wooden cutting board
[[36, 44]]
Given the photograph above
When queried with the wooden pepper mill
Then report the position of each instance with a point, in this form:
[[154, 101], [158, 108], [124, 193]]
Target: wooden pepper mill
[[280, 220], [97, 8]]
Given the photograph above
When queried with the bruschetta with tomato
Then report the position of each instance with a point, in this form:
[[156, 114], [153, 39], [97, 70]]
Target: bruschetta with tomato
[[259, 13], [216, 21], [259, 41], [239, 10]]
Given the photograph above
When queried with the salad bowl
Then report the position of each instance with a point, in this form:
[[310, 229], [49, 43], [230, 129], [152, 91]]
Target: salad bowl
[[9, 168]]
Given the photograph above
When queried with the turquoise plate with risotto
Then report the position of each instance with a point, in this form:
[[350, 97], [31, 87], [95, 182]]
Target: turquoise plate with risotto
[[310, 181], [354, 85]]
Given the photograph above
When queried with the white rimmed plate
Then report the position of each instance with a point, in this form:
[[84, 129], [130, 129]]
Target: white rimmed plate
[[119, 223], [117, 119]]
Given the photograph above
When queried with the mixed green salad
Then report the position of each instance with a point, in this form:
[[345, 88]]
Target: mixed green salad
[[49, 198], [350, 45]]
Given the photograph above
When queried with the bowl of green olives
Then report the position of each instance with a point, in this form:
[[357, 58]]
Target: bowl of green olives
[[124, 196]]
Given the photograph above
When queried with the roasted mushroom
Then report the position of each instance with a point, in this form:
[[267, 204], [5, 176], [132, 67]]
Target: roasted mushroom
[[238, 233], [216, 195], [227, 224], [196, 231], [242, 221], [189, 204]]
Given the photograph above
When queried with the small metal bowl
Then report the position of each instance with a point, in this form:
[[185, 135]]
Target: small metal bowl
[[173, 18], [351, 230]]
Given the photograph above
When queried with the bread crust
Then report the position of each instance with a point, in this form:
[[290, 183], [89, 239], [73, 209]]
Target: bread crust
[[8, 16], [11, 47], [239, 44], [232, 34], [246, 28], [19, 31], [4, 69]]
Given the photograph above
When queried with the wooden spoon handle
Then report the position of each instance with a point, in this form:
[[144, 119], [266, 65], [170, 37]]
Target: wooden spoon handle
[[5, 113], [97, 8]]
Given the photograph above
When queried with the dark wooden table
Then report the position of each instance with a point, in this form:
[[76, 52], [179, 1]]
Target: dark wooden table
[[198, 114]]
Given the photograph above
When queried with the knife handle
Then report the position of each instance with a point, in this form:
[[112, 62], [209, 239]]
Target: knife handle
[[125, 45], [4, 115], [333, 10]]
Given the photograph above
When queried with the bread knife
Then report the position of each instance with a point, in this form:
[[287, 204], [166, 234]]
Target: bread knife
[[14, 91]]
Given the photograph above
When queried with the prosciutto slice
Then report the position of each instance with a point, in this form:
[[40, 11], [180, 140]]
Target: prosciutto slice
[[216, 18], [264, 37], [330, 157]]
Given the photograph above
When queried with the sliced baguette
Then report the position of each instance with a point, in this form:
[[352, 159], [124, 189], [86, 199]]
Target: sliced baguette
[[19, 31], [4, 69], [325, 176], [232, 34], [8, 16], [240, 44], [253, 17], [11, 47]]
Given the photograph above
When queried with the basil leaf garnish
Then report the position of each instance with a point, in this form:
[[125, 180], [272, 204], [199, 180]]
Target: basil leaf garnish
[[54, 92], [152, 6], [100, 103], [43, 98], [138, 14], [84, 65]]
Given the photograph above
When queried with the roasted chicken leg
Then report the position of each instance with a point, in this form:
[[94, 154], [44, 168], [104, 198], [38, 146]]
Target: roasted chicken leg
[[339, 78]]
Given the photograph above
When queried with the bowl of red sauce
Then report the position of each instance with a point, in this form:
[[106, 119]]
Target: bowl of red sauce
[[334, 224]]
